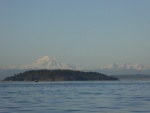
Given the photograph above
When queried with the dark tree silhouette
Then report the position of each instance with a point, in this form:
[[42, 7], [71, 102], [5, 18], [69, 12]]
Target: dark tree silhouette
[[58, 75]]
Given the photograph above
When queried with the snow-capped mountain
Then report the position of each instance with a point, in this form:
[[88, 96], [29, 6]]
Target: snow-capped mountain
[[43, 63], [126, 66], [124, 69], [48, 63]]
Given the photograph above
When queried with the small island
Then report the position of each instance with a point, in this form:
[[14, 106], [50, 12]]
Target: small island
[[58, 75]]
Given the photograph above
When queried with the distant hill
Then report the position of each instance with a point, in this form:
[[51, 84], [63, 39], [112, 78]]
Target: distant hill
[[58, 75], [133, 77], [9, 72]]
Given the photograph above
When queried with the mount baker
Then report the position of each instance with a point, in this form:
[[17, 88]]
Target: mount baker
[[43, 63]]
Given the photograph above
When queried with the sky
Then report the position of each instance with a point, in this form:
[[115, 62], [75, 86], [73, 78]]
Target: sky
[[84, 33]]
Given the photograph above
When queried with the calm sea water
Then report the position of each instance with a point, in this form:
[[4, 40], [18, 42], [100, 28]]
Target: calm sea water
[[75, 97]]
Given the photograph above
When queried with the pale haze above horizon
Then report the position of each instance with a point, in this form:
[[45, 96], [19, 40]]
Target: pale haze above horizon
[[84, 33]]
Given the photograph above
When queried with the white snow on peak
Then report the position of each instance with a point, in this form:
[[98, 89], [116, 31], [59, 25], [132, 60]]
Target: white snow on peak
[[126, 66], [110, 66], [43, 63], [43, 59], [48, 63]]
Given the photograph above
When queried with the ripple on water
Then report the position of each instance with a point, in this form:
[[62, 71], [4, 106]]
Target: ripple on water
[[75, 97]]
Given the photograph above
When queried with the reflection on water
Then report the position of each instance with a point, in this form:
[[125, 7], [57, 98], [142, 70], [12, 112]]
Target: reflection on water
[[79, 97]]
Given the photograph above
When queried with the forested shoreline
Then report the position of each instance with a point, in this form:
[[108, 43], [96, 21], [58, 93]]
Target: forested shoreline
[[58, 75]]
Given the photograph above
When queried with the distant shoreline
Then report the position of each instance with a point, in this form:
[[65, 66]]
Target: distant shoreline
[[59, 75]]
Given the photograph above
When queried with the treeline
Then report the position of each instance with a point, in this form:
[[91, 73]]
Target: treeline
[[58, 75]]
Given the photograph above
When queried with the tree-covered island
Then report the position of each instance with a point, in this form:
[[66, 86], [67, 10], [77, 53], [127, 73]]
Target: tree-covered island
[[58, 75]]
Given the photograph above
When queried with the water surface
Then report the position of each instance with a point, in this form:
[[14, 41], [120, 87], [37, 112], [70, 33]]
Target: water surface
[[75, 97]]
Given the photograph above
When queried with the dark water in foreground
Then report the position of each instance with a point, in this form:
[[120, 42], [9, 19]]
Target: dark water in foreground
[[75, 97]]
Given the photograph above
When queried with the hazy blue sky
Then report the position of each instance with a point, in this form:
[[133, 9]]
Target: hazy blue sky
[[85, 33]]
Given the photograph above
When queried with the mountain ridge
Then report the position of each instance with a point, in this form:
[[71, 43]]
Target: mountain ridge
[[115, 66], [44, 62]]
